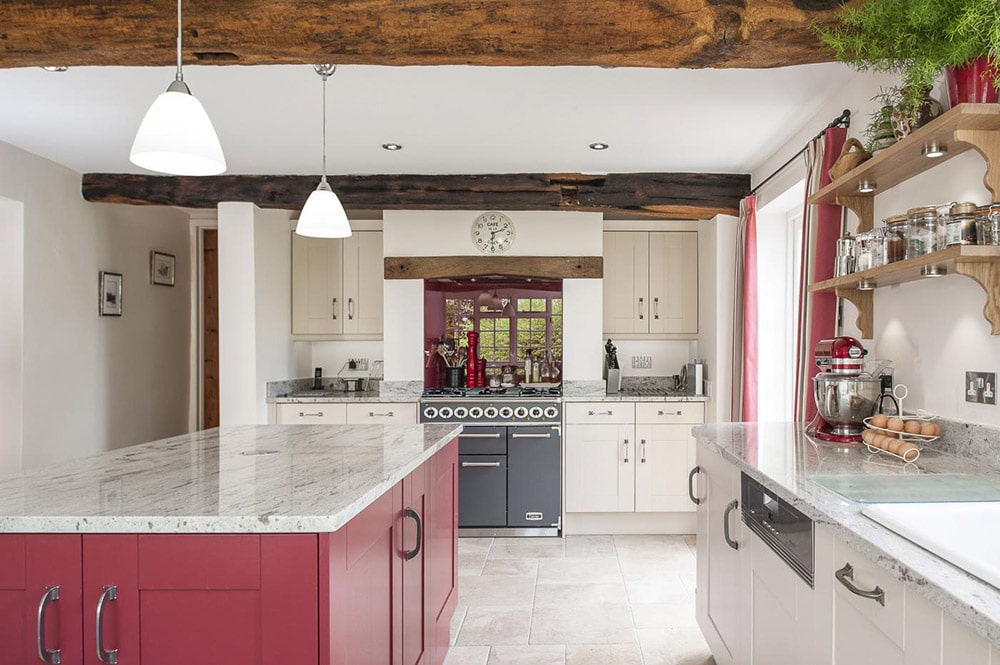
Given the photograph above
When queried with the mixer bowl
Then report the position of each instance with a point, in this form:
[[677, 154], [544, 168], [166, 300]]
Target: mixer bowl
[[845, 401]]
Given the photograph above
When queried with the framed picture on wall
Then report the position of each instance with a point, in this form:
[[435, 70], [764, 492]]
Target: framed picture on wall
[[161, 268], [110, 293]]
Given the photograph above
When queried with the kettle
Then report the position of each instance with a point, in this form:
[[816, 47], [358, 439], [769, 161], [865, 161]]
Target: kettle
[[693, 378]]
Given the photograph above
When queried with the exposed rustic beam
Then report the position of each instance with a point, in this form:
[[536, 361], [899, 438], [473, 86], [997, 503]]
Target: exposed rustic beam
[[635, 33], [661, 195], [460, 267]]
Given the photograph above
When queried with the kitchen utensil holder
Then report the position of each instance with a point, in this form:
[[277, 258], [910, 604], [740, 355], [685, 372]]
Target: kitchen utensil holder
[[454, 377], [614, 381]]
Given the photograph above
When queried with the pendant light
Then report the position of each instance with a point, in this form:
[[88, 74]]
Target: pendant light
[[323, 216], [176, 135]]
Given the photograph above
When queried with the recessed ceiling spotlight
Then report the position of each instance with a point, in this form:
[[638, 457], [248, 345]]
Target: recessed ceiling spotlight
[[392, 147], [55, 69], [934, 150], [599, 146]]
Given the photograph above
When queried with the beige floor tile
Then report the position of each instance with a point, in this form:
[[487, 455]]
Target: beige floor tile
[[490, 626], [579, 571], [633, 547], [456, 623], [603, 654], [511, 567], [474, 545], [528, 655], [590, 546], [527, 548], [569, 596], [690, 582], [602, 624], [506, 590], [471, 563], [467, 656], [664, 616], [658, 567], [683, 646], [668, 589]]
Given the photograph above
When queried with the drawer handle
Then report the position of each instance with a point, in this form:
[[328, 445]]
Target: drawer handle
[[415, 516], [107, 656], [733, 505], [694, 472], [663, 413], [53, 656], [387, 414], [303, 414], [846, 577], [478, 465], [333, 309], [641, 315], [625, 446], [350, 310], [642, 457], [656, 308], [495, 435], [515, 435], [609, 412]]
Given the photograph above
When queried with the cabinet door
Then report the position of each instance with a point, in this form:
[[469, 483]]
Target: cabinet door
[[673, 282], [664, 456], [363, 275], [600, 463], [441, 533], [32, 566], [413, 543], [318, 306], [626, 282], [111, 562]]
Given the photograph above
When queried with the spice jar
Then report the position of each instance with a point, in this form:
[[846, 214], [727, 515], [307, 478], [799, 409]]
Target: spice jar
[[961, 229], [988, 226], [863, 251], [921, 231], [895, 238]]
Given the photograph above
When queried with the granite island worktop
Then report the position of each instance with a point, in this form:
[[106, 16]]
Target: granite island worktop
[[785, 460], [246, 479]]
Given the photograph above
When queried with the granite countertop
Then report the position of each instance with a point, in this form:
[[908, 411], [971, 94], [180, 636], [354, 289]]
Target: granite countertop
[[634, 397], [247, 479], [784, 459], [329, 396]]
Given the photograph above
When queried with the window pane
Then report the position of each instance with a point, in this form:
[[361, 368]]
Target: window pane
[[503, 340], [557, 305], [538, 305], [524, 324], [486, 339], [502, 324], [523, 305], [538, 324], [486, 324]]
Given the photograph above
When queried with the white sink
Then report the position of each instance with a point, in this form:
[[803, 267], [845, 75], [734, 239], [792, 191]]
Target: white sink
[[964, 534]]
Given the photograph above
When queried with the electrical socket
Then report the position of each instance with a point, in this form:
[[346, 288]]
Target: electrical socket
[[642, 362], [981, 387], [360, 363]]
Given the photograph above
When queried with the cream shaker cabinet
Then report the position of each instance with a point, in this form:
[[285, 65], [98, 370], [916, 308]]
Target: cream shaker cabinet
[[651, 282], [337, 285]]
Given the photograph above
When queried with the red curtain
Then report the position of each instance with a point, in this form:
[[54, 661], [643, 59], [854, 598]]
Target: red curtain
[[745, 341]]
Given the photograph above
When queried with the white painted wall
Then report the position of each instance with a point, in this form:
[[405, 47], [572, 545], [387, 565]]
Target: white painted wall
[[716, 291], [255, 343], [11, 333], [93, 383]]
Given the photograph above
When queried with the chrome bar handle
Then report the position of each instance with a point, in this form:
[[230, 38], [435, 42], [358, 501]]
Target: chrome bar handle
[[733, 505], [656, 308], [641, 315], [846, 577], [350, 309], [333, 309], [694, 472], [414, 515], [515, 435], [609, 412], [387, 414], [107, 656], [625, 446], [642, 457], [495, 435], [466, 465], [664, 413], [54, 656], [303, 414]]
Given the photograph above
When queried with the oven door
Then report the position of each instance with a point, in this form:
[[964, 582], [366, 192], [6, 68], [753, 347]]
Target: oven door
[[482, 491]]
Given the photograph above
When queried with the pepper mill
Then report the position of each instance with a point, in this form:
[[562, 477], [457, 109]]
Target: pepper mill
[[472, 364]]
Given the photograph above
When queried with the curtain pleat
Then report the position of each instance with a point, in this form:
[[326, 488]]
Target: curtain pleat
[[745, 342]]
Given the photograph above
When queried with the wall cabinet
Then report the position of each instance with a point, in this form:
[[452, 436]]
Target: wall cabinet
[[629, 457], [651, 282], [337, 285]]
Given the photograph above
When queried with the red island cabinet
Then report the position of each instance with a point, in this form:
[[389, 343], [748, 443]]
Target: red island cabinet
[[380, 590]]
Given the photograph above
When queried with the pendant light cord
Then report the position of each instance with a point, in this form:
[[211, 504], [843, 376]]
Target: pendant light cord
[[324, 127], [180, 73]]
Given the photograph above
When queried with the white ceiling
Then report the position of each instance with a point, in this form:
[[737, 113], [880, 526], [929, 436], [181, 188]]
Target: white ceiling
[[449, 119]]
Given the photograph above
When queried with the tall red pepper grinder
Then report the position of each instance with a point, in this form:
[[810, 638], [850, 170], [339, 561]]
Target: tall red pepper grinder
[[471, 364]]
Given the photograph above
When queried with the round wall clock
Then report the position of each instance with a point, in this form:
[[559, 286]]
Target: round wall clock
[[493, 233]]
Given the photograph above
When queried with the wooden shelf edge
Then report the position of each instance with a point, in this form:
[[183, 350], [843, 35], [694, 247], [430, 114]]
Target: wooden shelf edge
[[946, 258]]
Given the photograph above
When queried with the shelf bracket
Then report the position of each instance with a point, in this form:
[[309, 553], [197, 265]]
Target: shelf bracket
[[987, 275], [987, 144], [862, 300], [863, 207]]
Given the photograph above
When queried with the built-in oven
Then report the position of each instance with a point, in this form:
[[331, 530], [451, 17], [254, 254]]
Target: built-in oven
[[783, 528]]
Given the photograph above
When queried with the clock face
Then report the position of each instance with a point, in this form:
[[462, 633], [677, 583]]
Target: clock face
[[493, 233]]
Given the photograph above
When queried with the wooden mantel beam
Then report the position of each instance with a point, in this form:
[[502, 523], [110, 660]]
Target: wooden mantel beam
[[660, 195], [614, 33]]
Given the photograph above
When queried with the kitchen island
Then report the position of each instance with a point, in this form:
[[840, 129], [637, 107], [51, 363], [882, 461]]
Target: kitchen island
[[266, 544]]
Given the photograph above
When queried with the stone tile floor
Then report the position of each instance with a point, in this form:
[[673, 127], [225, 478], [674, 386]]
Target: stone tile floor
[[581, 600]]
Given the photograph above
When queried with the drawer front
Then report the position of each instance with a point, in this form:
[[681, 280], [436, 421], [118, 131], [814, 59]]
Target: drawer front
[[622, 413], [313, 413], [868, 575], [669, 412], [382, 413]]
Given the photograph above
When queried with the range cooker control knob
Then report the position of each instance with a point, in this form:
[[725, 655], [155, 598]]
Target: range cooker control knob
[[551, 412], [430, 412], [461, 412], [521, 412], [536, 412], [476, 412], [490, 412], [506, 412], [445, 412]]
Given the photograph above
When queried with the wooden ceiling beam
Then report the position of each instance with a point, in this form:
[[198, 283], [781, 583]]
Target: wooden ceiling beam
[[613, 33], [658, 195]]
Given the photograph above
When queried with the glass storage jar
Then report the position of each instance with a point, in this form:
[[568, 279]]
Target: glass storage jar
[[895, 238], [988, 225], [961, 225], [921, 231], [863, 251]]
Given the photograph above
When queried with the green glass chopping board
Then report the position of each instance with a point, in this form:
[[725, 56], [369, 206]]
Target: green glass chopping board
[[922, 488]]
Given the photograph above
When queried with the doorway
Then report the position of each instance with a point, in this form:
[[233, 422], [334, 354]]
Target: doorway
[[11, 334], [210, 327]]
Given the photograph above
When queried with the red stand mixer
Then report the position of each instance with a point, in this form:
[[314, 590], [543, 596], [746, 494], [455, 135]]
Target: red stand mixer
[[844, 393]]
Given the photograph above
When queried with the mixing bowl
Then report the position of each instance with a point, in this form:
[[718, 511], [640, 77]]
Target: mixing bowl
[[845, 401]]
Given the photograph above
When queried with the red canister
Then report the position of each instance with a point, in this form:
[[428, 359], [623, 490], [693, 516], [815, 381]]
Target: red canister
[[472, 364], [481, 373]]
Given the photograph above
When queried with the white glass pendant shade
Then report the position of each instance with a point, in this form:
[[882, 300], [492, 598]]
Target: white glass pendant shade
[[177, 137], [323, 216]]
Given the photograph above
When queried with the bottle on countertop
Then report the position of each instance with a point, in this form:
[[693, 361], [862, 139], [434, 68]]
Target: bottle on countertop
[[527, 365], [318, 378]]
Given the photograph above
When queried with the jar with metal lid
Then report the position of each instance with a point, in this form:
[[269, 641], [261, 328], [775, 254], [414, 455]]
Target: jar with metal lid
[[988, 225], [895, 238], [961, 229], [921, 231]]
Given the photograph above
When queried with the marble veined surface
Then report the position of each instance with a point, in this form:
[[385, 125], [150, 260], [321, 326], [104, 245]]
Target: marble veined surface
[[782, 458], [247, 479]]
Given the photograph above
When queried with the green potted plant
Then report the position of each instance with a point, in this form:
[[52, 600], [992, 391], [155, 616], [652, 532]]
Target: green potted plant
[[919, 38]]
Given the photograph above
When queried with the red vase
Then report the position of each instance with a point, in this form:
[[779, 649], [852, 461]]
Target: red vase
[[972, 82]]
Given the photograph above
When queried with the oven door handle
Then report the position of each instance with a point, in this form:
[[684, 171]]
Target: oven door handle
[[495, 435], [478, 465], [515, 435]]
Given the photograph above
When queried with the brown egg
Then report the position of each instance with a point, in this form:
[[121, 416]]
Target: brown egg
[[877, 440], [909, 452], [911, 427], [879, 420], [895, 424], [867, 435], [928, 429], [894, 446]]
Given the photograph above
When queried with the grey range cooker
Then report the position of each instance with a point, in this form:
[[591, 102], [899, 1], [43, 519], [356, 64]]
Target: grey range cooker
[[509, 456]]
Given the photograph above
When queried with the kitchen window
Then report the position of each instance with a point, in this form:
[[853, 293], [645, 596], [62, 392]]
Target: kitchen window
[[537, 325]]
